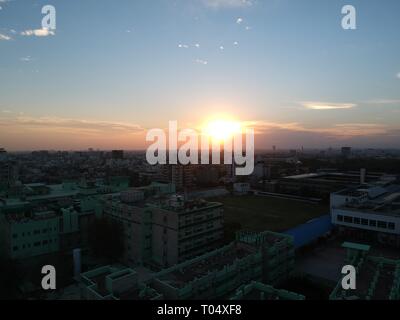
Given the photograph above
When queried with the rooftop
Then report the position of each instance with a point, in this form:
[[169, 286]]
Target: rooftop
[[106, 283], [182, 274], [374, 199]]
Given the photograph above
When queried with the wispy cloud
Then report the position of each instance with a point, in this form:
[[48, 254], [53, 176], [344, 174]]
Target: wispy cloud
[[200, 61], [227, 3], [316, 105], [338, 131], [3, 2], [4, 37], [38, 33], [89, 127], [26, 59], [398, 75]]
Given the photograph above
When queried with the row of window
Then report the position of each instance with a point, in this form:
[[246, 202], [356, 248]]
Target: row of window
[[35, 244], [34, 232], [367, 222]]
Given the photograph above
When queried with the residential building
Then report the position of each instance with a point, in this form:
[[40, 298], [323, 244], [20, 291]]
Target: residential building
[[267, 257], [164, 231]]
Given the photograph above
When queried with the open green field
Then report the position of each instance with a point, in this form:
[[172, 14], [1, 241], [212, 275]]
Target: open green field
[[259, 213]]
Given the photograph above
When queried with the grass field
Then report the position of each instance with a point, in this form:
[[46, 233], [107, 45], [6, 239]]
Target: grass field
[[259, 213]]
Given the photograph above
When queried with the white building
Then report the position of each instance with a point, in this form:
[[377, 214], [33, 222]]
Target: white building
[[373, 208]]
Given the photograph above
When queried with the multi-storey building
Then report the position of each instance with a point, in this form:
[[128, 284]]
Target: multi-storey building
[[182, 176], [27, 237], [267, 257], [167, 231], [29, 229]]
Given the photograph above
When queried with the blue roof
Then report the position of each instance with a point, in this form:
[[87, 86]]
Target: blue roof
[[310, 231]]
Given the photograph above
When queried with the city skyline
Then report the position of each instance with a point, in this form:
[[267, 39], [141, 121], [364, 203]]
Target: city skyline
[[109, 73]]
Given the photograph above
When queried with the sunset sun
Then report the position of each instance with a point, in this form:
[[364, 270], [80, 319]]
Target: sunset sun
[[220, 130]]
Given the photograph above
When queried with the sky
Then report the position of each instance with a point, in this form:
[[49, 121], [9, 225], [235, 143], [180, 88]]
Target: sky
[[111, 70]]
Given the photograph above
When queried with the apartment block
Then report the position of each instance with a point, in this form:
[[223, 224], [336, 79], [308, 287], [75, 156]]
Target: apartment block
[[30, 229], [24, 237], [266, 257], [164, 231]]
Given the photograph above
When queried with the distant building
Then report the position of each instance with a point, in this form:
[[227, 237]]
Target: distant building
[[3, 154], [241, 188], [346, 152], [182, 176], [323, 183], [117, 154]]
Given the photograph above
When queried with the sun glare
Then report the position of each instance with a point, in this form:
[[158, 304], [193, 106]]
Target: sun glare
[[221, 130]]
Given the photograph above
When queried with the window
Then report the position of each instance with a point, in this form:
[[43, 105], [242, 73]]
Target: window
[[15, 235], [372, 223], [15, 248], [44, 230], [348, 219], [357, 220], [36, 244], [364, 222], [340, 218], [391, 225], [382, 224], [44, 242], [36, 231]]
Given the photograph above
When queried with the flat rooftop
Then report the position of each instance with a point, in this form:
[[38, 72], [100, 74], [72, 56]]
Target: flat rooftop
[[197, 268], [365, 278], [385, 201], [336, 177]]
